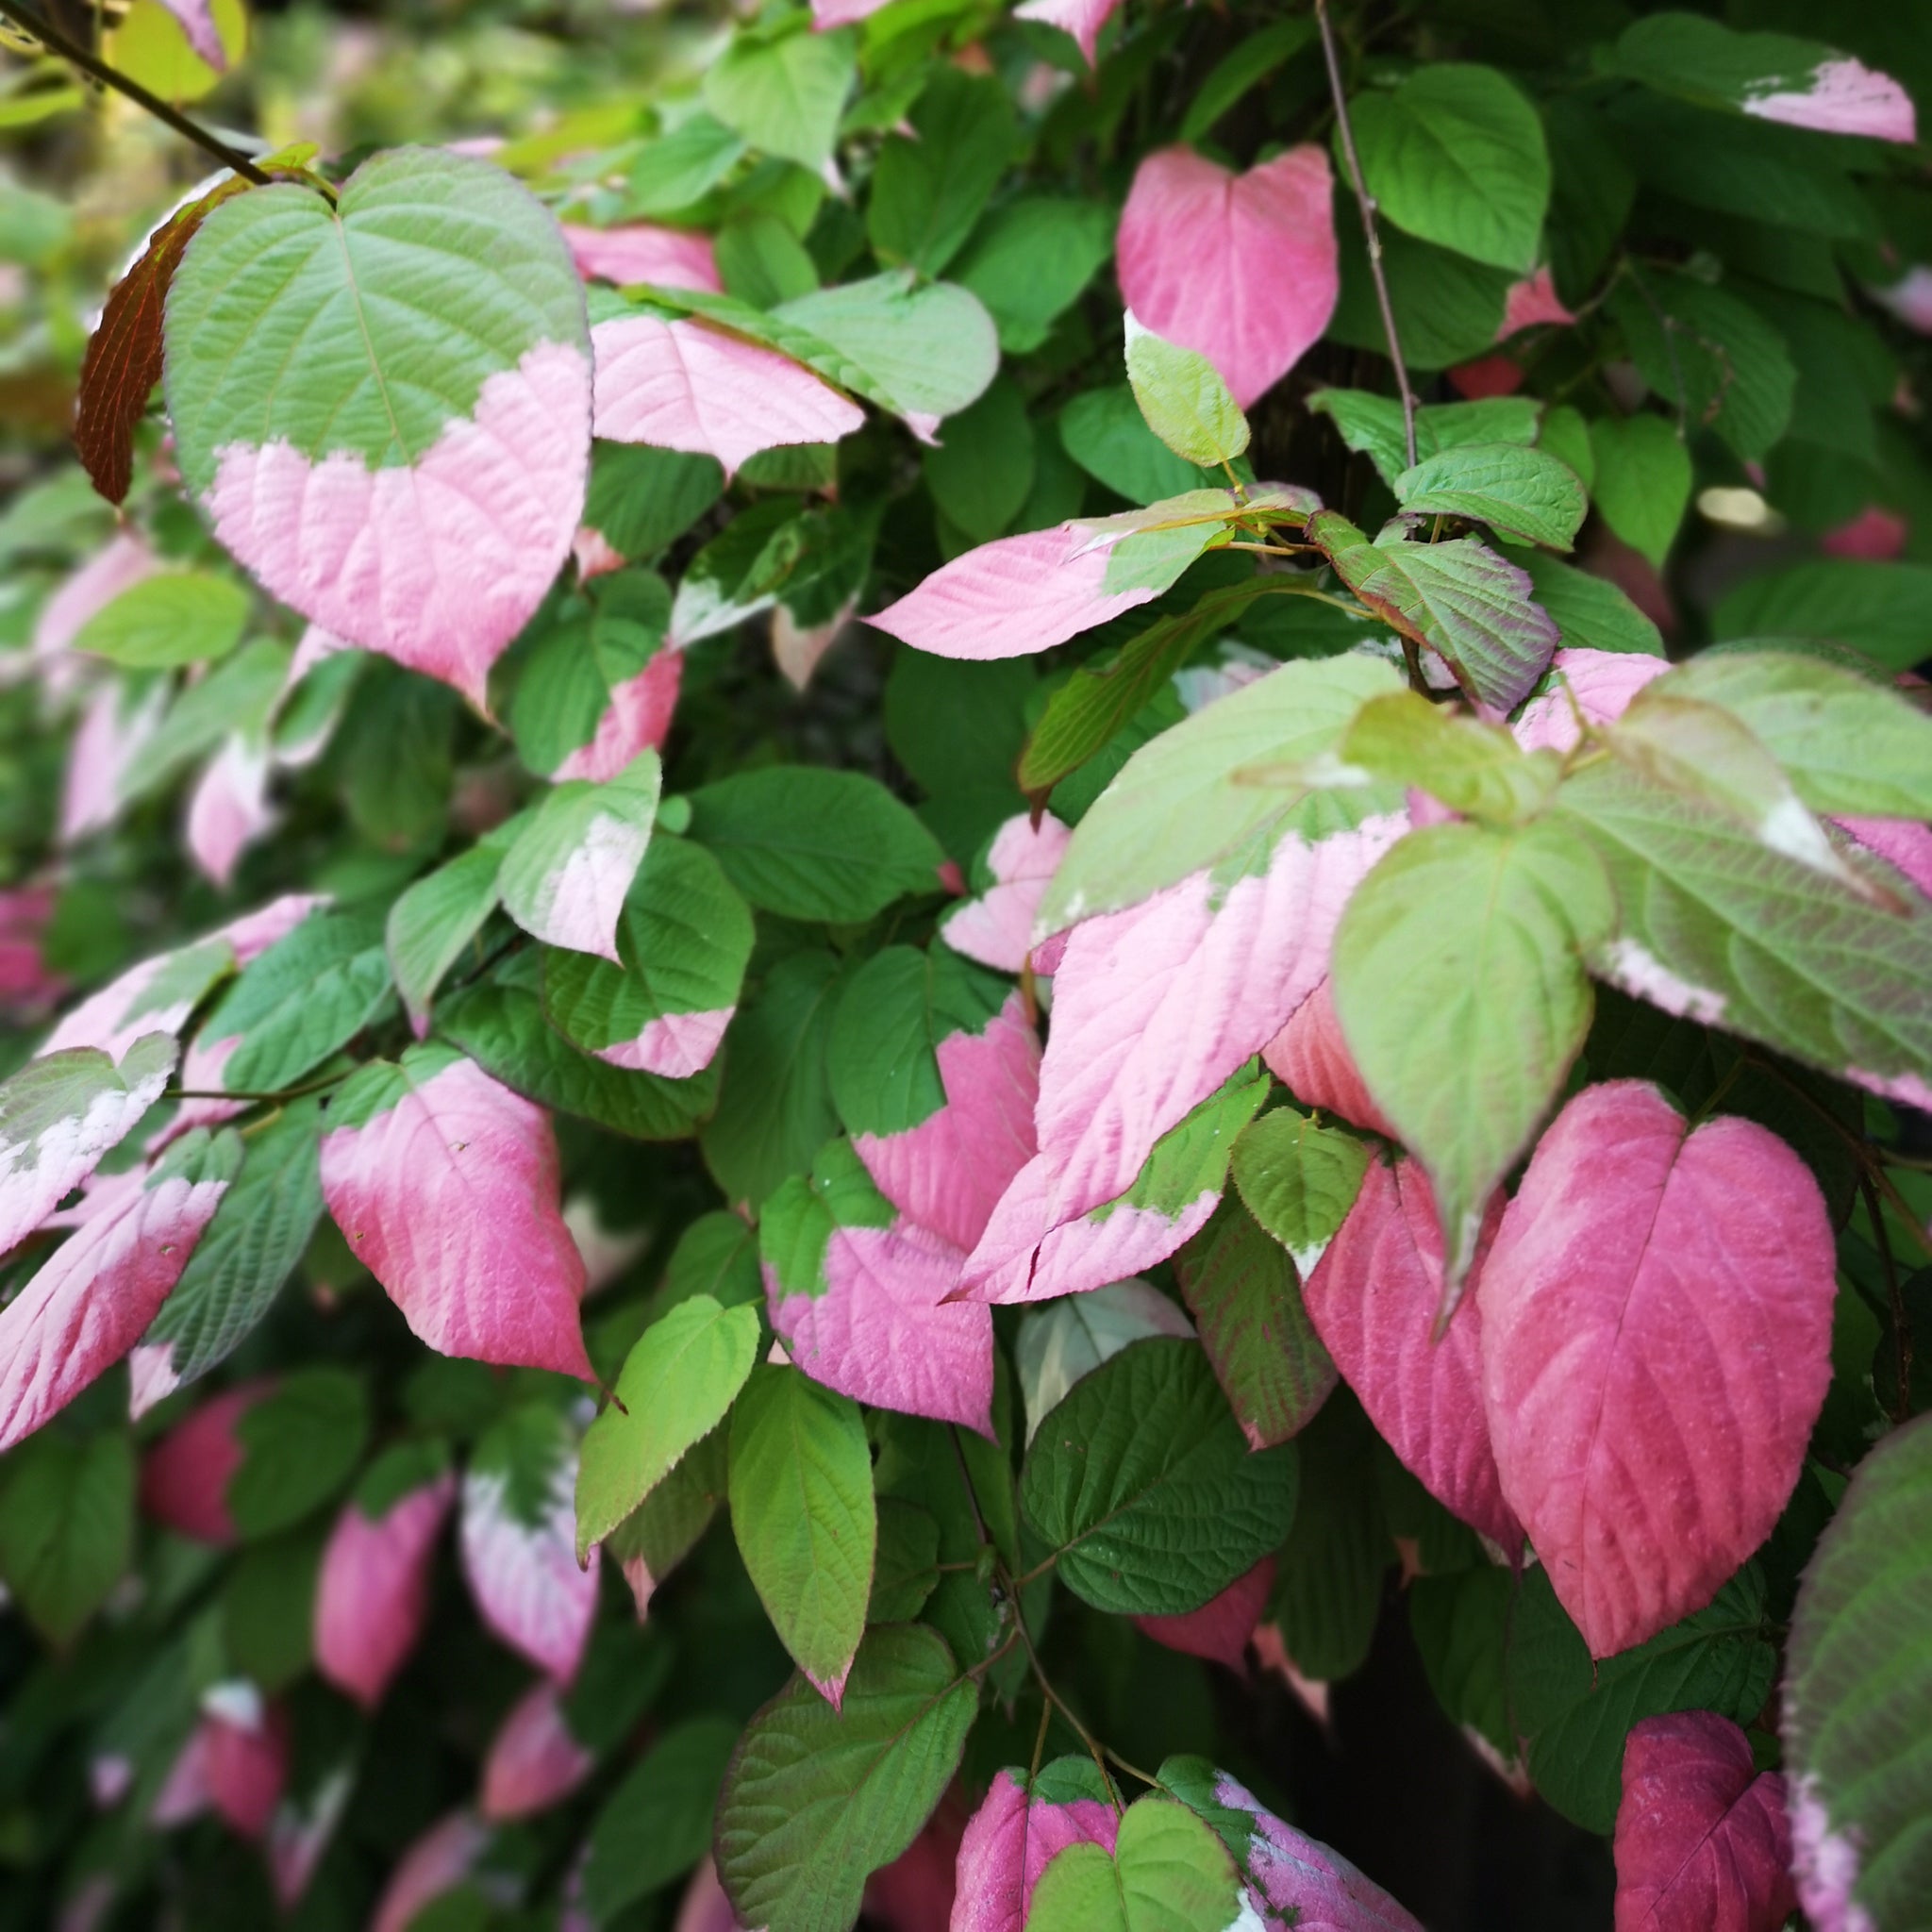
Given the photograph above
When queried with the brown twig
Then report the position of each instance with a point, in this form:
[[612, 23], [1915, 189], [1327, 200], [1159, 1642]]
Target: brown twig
[[55, 41], [1366, 202]]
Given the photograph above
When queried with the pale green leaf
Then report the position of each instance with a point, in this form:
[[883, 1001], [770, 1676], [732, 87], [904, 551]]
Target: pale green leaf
[[1169, 1873], [1643, 481], [1184, 401], [181, 617], [784, 93], [1299, 1180]]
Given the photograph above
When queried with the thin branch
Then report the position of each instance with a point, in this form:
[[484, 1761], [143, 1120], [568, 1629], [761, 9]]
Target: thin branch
[[1059, 1704], [1366, 202], [1901, 1323], [55, 41]]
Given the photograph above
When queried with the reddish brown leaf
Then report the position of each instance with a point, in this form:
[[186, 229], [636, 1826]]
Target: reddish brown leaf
[[123, 356]]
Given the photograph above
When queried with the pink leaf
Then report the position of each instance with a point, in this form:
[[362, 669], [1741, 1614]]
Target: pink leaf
[[1844, 97], [245, 1757], [450, 1195], [184, 1481], [1304, 1883], [1903, 843], [300, 1832], [1030, 1253], [1910, 298], [229, 809], [1009, 1842], [1531, 302], [705, 1908], [436, 564], [255, 932], [184, 1792], [198, 18], [642, 252], [915, 1892], [94, 1298], [437, 1862], [949, 1171], [109, 737], [1599, 683], [1241, 267], [1373, 1298], [1701, 1842], [1220, 1629], [685, 385], [1656, 1338], [1311, 1057], [1010, 598], [533, 1761], [58, 1116], [524, 1576], [1875, 535], [372, 1597], [638, 718], [1083, 19], [201, 1073], [1153, 1006], [996, 928]]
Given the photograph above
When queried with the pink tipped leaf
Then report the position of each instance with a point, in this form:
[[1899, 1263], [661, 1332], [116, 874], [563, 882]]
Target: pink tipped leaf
[[446, 1184], [644, 252], [244, 1757], [93, 1299], [1702, 1844], [1220, 1629], [1373, 1298], [435, 1863], [1533, 303], [637, 719], [1655, 1342], [60, 1113], [185, 1477], [534, 1761], [996, 928], [1021, 1826], [372, 1596], [682, 384], [566, 873], [518, 1539], [1241, 268], [1082, 19]]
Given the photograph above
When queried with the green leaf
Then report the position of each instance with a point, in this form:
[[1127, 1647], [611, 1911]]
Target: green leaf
[[1193, 794], [1643, 481], [1169, 1873], [1105, 433], [901, 1004], [480, 262], [776, 1110], [1455, 155], [1144, 1486], [1859, 1682], [656, 1824], [1460, 1624], [718, 1256], [1591, 613], [1373, 425], [499, 1022], [1882, 609], [1705, 61], [1251, 62], [303, 999], [237, 694], [181, 617], [664, 1528], [1566, 436], [1240, 1286], [784, 94], [1086, 711], [66, 1526], [1460, 599], [1576, 1714], [683, 940], [1448, 308], [929, 185], [1183, 398], [1299, 1180], [1715, 925], [981, 473], [1523, 494], [261, 1227], [906, 1570], [761, 261], [433, 921], [1713, 358], [299, 1444], [816, 1800], [1028, 261], [681, 166], [803, 1510], [1327, 1594], [537, 877], [1459, 984], [1849, 745], [815, 844], [268, 1609], [642, 499], [1474, 767], [678, 1384]]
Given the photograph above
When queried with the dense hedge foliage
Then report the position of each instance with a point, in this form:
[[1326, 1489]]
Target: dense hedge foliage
[[899, 898]]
